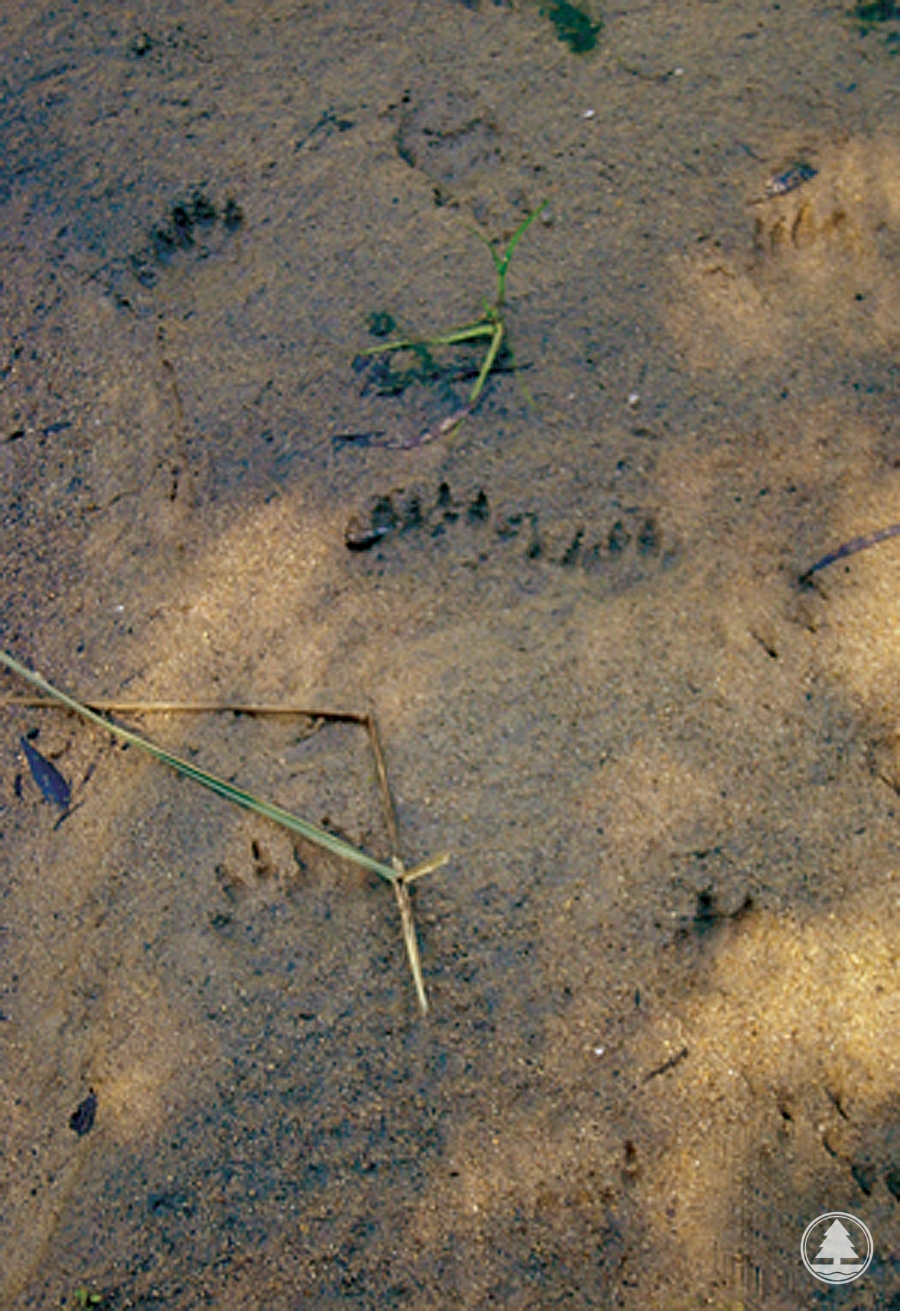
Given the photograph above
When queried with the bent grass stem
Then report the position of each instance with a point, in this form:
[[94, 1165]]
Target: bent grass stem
[[394, 874], [491, 325]]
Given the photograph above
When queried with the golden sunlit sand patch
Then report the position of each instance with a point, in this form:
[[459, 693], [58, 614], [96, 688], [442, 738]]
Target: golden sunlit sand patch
[[860, 624], [790, 1021], [765, 1066], [144, 1062], [144, 1049], [719, 319], [816, 253]]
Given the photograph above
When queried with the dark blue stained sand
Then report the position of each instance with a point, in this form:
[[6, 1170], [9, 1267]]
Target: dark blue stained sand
[[47, 776]]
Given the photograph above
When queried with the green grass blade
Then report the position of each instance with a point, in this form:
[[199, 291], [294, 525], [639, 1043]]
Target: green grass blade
[[218, 785], [502, 263], [408, 926], [488, 362], [471, 332]]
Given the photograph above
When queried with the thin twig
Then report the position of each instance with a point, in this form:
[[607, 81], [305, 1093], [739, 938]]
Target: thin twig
[[116, 707], [387, 800], [853, 547]]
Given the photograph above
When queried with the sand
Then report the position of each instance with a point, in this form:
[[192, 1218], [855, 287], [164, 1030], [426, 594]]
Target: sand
[[662, 964]]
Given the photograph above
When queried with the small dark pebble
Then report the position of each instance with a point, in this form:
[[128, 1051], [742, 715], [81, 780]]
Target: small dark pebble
[[81, 1121]]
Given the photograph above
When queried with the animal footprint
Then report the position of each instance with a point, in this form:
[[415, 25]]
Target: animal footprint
[[415, 516], [196, 224]]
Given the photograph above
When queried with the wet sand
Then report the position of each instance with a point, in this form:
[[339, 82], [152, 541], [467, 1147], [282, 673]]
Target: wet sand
[[662, 963]]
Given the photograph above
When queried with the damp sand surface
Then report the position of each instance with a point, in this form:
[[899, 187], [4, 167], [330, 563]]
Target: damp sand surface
[[662, 963]]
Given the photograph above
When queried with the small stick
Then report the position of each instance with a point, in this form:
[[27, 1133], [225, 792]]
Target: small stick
[[447, 425], [667, 1065], [387, 801], [853, 547], [195, 708], [490, 325]]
